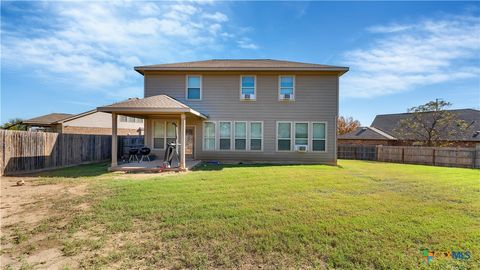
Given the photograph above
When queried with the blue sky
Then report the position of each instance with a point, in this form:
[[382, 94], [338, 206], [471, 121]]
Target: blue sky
[[72, 56]]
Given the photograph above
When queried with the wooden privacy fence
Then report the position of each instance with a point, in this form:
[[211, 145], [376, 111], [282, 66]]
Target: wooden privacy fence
[[25, 151], [436, 156]]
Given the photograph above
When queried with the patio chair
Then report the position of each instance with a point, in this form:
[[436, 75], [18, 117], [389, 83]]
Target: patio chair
[[133, 152], [145, 152]]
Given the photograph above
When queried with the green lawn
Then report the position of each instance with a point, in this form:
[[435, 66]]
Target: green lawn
[[359, 215]]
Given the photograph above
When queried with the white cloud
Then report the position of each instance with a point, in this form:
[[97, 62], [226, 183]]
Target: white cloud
[[405, 56], [94, 45], [217, 16], [246, 43]]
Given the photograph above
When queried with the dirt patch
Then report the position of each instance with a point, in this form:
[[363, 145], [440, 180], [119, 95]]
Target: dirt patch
[[24, 209]]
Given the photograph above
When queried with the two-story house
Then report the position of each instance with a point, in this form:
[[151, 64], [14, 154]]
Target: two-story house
[[257, 110]]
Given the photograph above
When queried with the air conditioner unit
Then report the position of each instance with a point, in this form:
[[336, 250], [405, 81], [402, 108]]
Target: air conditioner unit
[[248, 96], [286, 97], [301, 148]]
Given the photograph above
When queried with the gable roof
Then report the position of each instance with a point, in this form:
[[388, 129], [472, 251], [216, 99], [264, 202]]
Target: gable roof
[[47, 119], [389, 122], [366, 133], [153, 104], [242, 64]]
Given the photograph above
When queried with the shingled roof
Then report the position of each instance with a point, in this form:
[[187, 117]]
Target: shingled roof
[[153, 104], [366, 133], [242, 64], [47, 119], [389, 122]]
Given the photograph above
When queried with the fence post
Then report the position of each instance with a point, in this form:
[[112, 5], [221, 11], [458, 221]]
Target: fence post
[[355, 152], [403, 154], [433, 156], [476, 151]]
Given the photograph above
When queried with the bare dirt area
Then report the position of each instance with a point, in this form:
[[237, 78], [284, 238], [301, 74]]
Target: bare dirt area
[[25, 210]]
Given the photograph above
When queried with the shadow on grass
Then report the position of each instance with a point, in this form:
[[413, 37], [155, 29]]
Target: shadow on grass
[[87, 170], [212, 166]]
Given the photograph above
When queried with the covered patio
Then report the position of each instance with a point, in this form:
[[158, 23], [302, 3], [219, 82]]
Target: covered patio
[[154, 107]]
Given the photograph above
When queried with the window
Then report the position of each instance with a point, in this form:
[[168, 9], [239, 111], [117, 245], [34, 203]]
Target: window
[[123, 118], [171, 132], [248, 86], [159, 134], [286, 86], [225, 135], [209, 136], [301, 133], [284, 136], [319, 137], [138, 120], [194, 87], [240, 135], [256, 136], [128, 119]]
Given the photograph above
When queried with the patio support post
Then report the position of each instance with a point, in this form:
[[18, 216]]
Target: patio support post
[[183, 124], [114, 140]]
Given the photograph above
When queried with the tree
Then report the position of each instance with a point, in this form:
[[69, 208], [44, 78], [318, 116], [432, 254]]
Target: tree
[[14, 124], [346, 124], [431, 124]]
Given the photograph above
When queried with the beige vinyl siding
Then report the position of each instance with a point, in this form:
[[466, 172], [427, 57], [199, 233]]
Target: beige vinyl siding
[[316, 98]]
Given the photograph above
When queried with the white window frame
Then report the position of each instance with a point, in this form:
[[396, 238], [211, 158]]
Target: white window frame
[[214, 134], [186, 86], [165, 122], [254, 87], [246, 136], [312, 138], [291, 136], [249, 136], [295, 132], [280, 87], [219, 136]]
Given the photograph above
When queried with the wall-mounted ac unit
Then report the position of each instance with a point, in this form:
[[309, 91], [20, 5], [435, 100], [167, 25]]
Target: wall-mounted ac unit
[[248, 96], [301, 148], [286, 97]]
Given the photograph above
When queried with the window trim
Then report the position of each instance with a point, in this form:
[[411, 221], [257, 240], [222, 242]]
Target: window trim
[[276, 135], [165, 121], [254, 87], [246, 136], [312, 138], [186, 86], [295, 133], [249, 136], [279, 87], [219, 136], [215, 136]]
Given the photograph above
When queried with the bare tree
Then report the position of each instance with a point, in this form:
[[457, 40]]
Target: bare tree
[[346, 124], [431, 124]]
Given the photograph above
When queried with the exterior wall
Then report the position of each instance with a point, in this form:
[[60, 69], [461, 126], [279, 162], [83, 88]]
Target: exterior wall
[[98, 131], [316, 99], [100, 120]]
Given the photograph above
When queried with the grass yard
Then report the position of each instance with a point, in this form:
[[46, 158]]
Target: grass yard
[[359, 215]]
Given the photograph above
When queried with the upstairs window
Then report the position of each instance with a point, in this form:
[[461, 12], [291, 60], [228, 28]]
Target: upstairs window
[[319, 137], [194, 87], [286, 87], [248, 85]]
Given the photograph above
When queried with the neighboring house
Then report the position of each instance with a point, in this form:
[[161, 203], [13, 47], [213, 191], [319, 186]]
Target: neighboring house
[[239, 110], [90, 122], [382, 131]]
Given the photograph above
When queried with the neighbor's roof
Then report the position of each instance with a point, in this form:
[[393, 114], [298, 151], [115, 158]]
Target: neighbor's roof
[[242, 64], [366, 133], [153, 104], [47, 119], [388, 123]]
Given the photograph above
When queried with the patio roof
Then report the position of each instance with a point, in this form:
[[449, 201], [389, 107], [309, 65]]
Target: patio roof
[[150, 105]]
